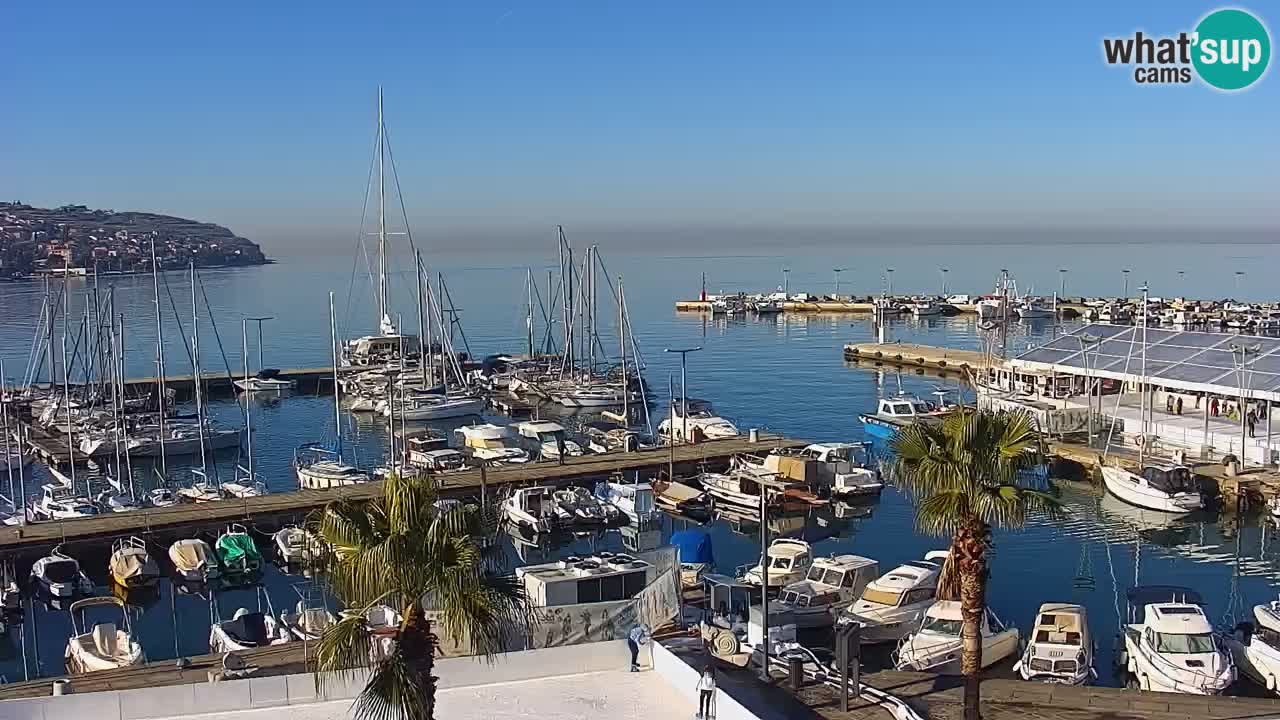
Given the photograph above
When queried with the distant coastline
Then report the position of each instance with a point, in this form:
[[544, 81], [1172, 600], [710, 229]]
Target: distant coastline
[[73, 240]]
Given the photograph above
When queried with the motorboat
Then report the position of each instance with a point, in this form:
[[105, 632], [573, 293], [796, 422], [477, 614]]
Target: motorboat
[[102, 646], [1167, 489], [594, 395], [1030, 308], [131, 563], [162, 497], [741, 489], [244, 485], [1255, 647], [893, 605], [202, 490], [702, 423], [694, 551], [115, 502], [247, 629], [441, 460], [925, 308], [842, 469], [308, 620], [295, 545], [1170, 645], [383, 623], [432, 406], [60, 575], [194, 561], [266, 380], [789, 562], [492, 444], [59, 502], [681, 499], [533, 509], [894, 413], [634, 500], [936, 646], [547, 440], [832, 584], [419, 442], [319, 468], [237, 552], [577, 506], [1060, 649], [1114, 313]]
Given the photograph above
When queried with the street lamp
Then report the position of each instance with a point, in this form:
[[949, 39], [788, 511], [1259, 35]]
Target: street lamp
[[943, 272], [1086, 341], [1239, 277], [786, 282], [684, 387], [837, 272], [258, 320], [1062, 284], [1243, 377], [1126, 283], [889, 276]]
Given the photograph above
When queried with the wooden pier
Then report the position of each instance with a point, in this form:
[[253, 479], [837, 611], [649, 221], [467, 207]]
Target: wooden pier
[[912, 356], [284, 505]]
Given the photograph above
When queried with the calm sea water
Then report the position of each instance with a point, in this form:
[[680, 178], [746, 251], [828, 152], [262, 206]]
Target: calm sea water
[[784, 374]]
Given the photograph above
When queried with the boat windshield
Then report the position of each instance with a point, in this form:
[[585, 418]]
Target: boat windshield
[[780, 563], [1185, 643], [61, 571], [941, 626], [881, 597], [550, 437]]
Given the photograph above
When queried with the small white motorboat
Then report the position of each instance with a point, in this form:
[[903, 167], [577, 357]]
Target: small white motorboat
[[247, 629], [194, 561], [1255, 647], [532, 509], [1172, 489], [1170, 645], [789, 562], [295, 545], [935, 647], [105, 645], [308, 620], [162, 497], [892, 605], [266, 380], [131, 564], [60, 575], [833, 583], [1060, 649]]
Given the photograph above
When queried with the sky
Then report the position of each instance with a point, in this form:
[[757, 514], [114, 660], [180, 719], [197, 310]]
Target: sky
[[630, 120]]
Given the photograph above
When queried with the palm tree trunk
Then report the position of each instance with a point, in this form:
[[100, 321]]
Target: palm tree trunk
[[970, 547], [419, 643]]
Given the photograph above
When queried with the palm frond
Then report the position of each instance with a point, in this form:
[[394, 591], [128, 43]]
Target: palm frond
[[344, 649], [394, 692]]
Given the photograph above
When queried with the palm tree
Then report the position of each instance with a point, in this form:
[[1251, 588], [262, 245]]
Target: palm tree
[[965, 476], [429, 561]]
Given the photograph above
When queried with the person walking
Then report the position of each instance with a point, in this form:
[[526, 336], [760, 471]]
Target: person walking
[[706, 694], [1177, 407], [1251, 420], [1213, 407], [638, 636]]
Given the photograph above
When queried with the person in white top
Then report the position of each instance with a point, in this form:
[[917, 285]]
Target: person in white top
[[706, 694]]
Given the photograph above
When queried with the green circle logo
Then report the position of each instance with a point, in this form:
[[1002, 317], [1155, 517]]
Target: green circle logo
[[1232, 49]]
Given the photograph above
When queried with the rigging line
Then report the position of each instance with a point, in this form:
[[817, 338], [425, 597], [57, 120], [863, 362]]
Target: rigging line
[[216, 336], [395, 177], [1111, 428], [181, 332], [364, 212], [639, 359], [453, 316]]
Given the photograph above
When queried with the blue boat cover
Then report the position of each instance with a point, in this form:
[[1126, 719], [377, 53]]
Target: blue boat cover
[[694, 546]]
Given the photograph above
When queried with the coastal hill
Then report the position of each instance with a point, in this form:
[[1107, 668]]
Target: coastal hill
[[75, 239]]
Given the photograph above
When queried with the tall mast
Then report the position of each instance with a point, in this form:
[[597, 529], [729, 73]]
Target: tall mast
[[248, 413], [528, 321], [382, 218], [160, 388], [591, 284], [1142, 386], [446, 344], [128, 462], [622, 347], [337, 396], [195, 366], [422, 323]]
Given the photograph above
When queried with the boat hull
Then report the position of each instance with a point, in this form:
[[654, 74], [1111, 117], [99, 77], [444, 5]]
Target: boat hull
[[1119, 483]]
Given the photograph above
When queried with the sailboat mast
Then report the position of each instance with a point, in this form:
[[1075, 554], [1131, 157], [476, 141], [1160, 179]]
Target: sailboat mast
[[248, 416], [622, 348], [195, 366], [591, 284], [1142, 386], [422, 323], [446, 344], [128, 462], [528, 321], [337, 395], [382, 216], [160, 388]]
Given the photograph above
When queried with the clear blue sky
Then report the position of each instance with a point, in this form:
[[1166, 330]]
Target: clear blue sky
[[508, 117]]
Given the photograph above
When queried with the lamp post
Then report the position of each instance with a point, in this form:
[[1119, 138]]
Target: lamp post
[[1126, 283], [1086, 341], [888, 273], [837, 272], [1239, 277], [684, 387], [259, 320], [943, 273], [1244, 378], [786, 282], [1062, 284]]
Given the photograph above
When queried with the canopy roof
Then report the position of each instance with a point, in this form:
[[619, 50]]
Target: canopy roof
[[1183, 359]]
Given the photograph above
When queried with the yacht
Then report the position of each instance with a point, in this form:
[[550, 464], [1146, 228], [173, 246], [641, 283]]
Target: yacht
[[532, 509], [833, 583], [702, 423], [194, 561], [319, 468], [894, 413], [435, 407], [1255, 647], [59, 502], [935, 646], [1060, 649], [441, 460], [546, 439], [492, 444], [892, 605], [1167, 489], [789, 562], [594, 395], [131, 564], [60, 575], [105, 645], [1170, 645]]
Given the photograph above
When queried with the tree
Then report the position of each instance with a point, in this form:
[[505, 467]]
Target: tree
[[966, 474], [433, 562]]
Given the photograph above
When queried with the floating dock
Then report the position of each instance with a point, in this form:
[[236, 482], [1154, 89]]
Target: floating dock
[[864, 306], [283, 505], [923, 357]]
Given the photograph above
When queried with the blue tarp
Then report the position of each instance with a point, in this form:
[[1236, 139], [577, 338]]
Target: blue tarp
[[694, 546]]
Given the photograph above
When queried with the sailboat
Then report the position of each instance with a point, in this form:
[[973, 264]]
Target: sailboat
[[1166, 488], [317, 466]]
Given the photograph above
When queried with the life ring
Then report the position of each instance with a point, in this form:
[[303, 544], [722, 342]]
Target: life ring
[[1140, 441]]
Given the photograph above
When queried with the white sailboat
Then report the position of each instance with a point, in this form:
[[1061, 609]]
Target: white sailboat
[[319, 467]]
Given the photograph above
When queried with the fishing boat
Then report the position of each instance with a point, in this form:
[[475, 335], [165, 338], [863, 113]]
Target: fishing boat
[[1030, 308], [131, 563], [741, 489], [935, 646], [894, 413], [1060, 649], [60, 575], [832, 584], [102, 646], [681, 499], [492, 444], [547, 440], [194, 561], [1170, 489], [1170, 645], [789, 562], [247, 628], [892, 605], [533, 509], [237, 552], [1255, 647]]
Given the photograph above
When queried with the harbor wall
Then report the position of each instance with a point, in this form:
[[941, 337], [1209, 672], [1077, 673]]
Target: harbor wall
[[293, 690], [684, 680]]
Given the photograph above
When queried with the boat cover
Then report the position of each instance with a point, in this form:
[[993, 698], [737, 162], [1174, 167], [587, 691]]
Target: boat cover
[[694, 546], [190, 555], [680, 493], [248, 629], [237, 550], [132, 562]]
